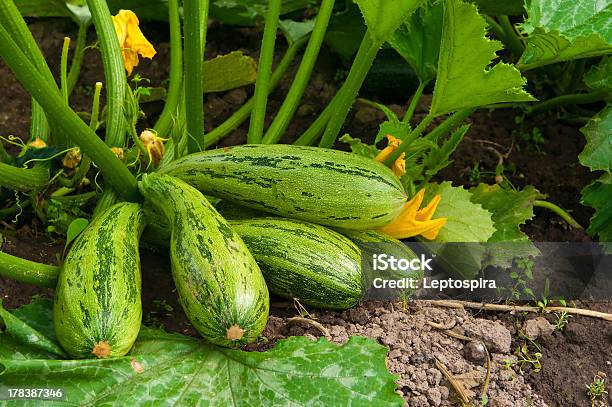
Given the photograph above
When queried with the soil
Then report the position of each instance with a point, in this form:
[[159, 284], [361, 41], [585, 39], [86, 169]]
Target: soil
[[570, 358]]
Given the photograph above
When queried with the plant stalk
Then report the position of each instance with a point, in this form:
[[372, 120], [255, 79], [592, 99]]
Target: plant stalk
[[194, 59], [26, 271], [66, 119], [236, 119], [114, 72], [264, 72], [292, 100], [77, 57], [558, 211], [513, 41], [344, 99], [175, 88], [64, 69], [414, 102], [23, 179], [572, 99]]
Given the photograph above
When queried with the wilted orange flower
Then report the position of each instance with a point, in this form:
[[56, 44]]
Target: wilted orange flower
[[413, 221], [131, 39], [37, 143], [72, 159], [399, 166], [154, 145]]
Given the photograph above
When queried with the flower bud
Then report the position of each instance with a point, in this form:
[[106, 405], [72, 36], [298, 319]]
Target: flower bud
[[72, 159], [154, 145]]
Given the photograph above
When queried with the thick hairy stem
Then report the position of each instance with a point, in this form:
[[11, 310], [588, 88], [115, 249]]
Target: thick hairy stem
[[26, 271], [23, 179], [114, 72], [115, 173], [290, 105], [193, 10], [264, 72], [573, 99], [77, 57], [164, 123]]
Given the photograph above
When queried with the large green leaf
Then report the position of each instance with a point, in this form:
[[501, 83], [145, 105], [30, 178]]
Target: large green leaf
[[507, 7], [510, 209], [598, 195], [43, 8], [560, 30], [383, 17], [418, 40], [467, 221], [465, 79], [597, 154], [345, 31], [176, 370]]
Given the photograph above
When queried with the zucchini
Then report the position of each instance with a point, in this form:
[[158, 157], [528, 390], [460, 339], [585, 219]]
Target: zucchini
[[318, 185], [97, 307], [371, 243], [312, 263], [220, 286]]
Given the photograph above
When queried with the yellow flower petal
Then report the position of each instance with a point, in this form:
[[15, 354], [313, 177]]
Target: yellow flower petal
[[413, 222], [399, 166], [131, 39]]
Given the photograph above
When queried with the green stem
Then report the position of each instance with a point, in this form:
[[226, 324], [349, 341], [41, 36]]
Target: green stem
[[496, 29], [577, 74], [106, 200], [68, 121], [64, 69], [13, 22], [15, 209], [573, 99], [77, 57], [342, 104], [513, 41], [23, 179], [407, 141], [194, 59], [26, 271], [449, 124], [264, 72], [175, 88], [559, 211], [93, 125], [414, 102], [114, 72], [292, 100], [236, 119]]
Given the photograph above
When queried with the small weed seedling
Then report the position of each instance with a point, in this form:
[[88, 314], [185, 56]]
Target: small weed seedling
[[597, 388], [562, 320], [525, 357]]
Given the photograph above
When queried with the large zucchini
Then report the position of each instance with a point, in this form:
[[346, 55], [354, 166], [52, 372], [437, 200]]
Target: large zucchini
[[221, 288], [323, 186], [97, 307], [312, 263]]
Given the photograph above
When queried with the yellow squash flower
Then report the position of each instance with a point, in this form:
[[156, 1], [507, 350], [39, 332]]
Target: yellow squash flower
[[413, 221], [37, 143], [399, 166], [131, 39]]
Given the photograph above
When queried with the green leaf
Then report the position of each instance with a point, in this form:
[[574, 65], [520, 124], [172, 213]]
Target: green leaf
[[74, 229], [600, 75], [295, 30], [418, 40], [24, 338], [510, 209], [383, 17], [229, 71], [597, 154], [467, 221], [438, 159], [465, 79], [183, 371], [42, 8], [562, 30], [506, 7], [598, 195], [358, 147]]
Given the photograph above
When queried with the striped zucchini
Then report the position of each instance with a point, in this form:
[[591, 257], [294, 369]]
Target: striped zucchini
[[97, 308], [323, 186], [302, 260], [221, 288], [371, 243]]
